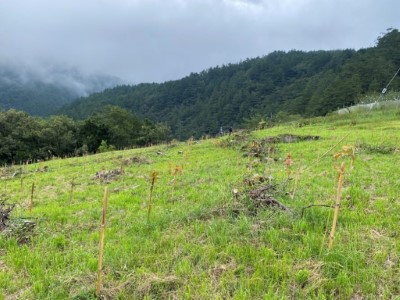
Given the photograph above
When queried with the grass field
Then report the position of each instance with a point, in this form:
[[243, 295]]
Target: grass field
[[211, 234]]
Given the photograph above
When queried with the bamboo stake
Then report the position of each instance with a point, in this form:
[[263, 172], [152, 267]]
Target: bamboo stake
[[101, 243], [31, 202], [337, 205]]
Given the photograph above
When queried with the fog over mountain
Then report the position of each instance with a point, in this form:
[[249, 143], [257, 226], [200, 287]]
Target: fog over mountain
[[42, 90], [74, 80]]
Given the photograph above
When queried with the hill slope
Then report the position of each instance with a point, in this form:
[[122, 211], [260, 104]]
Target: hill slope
[[212, 231], [305, 83]]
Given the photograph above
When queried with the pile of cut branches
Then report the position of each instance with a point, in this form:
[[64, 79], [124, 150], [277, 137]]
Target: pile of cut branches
[[5, 210]]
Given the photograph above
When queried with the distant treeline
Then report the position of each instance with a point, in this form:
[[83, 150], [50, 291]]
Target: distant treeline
[[274, 86], [23, 137]]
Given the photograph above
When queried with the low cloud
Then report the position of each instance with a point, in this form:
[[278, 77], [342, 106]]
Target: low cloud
[[154, 40]]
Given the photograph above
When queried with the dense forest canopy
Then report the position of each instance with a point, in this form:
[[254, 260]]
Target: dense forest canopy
[[278, 84]]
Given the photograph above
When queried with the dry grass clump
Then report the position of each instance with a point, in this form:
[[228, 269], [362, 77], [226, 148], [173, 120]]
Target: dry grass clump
[[144, 285], [107, 176], [376, 149], [141, 160]]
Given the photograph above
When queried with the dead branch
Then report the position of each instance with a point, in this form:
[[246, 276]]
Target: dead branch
[[262, 198], [270, 201], [312, 205]]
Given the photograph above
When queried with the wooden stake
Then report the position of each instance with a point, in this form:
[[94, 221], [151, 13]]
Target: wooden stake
[[22, 180], [153, 177], [31, 202], [71, 198], [21, 190], [337, 205], [101, 243]]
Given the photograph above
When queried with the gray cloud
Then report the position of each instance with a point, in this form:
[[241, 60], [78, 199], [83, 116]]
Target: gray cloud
[[158, 40]]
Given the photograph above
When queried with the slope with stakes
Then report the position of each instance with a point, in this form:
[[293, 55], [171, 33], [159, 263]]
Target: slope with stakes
[[213, 232]]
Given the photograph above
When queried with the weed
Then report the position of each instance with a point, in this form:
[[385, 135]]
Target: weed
[[376, 149]]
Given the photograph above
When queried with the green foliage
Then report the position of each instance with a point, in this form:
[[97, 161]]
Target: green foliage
[[295, 82], [302, 277], [23, 137], [105, 148]]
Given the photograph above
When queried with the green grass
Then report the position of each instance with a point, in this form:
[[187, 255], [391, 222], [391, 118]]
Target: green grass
[[203, 241]]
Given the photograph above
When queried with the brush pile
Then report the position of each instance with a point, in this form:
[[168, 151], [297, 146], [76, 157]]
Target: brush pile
[[136, 160], [262, 198], [290, 138], [5, 210], [21, 229], [108, 176]]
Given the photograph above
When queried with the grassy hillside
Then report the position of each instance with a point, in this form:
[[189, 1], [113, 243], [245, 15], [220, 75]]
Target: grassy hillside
[[215, 230]]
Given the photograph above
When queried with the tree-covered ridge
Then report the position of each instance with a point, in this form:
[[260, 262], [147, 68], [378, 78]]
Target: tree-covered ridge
[[281, 83], [24, 137]]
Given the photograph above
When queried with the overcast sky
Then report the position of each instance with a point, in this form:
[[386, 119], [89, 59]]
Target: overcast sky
[[159, 40]]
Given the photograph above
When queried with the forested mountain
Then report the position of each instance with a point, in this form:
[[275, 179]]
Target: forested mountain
[[278, 84], [43, 92]]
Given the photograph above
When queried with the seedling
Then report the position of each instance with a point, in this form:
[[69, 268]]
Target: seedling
[[347, 151], [178, 170], [288, 164]]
